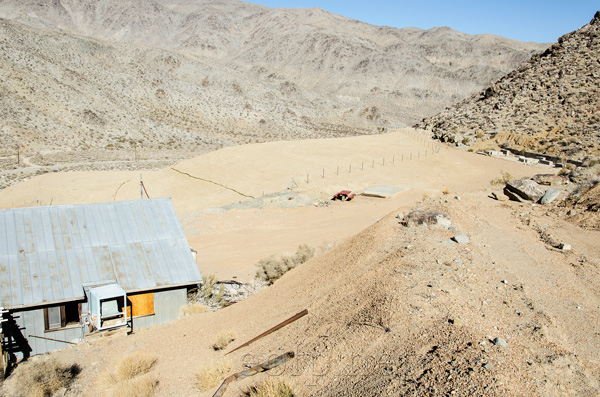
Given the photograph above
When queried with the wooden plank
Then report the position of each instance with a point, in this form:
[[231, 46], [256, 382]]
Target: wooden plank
[[140, 305], [275, 328]]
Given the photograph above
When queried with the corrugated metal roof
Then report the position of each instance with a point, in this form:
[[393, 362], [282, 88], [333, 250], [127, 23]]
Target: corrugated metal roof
[[46, 253]]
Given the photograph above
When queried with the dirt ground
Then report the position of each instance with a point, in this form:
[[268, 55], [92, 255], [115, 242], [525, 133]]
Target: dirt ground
[[230, 238], [393, 310]]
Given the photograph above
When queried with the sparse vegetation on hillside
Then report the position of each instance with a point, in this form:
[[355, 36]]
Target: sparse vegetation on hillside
[[223, 339], [273, 388], [549, 105], [275, 266], [506, 176], [208, 294], [211, 375], [39, 378], [131, 378]]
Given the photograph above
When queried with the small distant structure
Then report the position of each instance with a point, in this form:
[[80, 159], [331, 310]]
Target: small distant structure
[[344, 195], [70, 270], [383, 191]]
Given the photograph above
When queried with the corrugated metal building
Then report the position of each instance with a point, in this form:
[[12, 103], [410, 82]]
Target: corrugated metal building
[[65, 270]]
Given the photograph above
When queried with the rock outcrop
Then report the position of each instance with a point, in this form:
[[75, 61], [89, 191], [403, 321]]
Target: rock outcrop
[[549, 105]]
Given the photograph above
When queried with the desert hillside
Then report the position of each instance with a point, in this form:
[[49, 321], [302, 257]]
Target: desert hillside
[[549, 105], [239, 196], [393, 309], [101, 84]]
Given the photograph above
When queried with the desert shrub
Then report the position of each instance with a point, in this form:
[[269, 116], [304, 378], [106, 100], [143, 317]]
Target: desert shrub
[[211, 375], [272, 388], [208, 293], [39, 378], [272, 268], [223, 339], [192, 308], [134, 365], [130, 377], [141, 386], [506, 176]]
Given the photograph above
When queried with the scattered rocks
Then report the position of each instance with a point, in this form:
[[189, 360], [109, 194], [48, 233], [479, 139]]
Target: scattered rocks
[[427, 218], [500, 342], [547, 179], [525, 188], [461, 239], [499, 197]]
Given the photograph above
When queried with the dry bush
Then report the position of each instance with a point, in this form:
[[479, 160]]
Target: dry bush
[[223, 339], [210, 376], [141, 386], [39, 378], [208, 293], [192, 308], [506, 176], [275, 266], [131, 377], [272, 388], [134, 365]]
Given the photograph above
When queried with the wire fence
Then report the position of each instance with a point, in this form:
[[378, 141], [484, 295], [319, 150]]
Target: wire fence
[[430, 149]]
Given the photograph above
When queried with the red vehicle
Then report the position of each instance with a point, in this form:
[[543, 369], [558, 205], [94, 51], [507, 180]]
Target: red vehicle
[[344, 195]]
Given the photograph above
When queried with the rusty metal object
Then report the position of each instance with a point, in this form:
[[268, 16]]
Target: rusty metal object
[[253, 371], [275, 328], [55, 340]]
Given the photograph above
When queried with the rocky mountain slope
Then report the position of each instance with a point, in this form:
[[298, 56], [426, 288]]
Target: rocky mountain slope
[[67, 92], [95, 74], [549, 105]]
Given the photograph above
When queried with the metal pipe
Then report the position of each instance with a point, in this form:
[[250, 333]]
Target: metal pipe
[[55, 340], [275, 328]]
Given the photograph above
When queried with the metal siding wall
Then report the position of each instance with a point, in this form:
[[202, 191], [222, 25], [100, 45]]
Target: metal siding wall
[[166, 308], [33, 321]]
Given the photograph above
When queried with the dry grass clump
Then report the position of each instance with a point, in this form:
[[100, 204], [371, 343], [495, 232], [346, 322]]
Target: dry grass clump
[[223, 339], [506, 176], [273, 267], [134, 365], [192, 308], [208, 293], [141, 386], [131, 377], [272, 388], [39, 378], [211, 375]]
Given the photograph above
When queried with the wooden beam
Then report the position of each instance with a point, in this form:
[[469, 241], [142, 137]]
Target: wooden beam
[[275, 328]]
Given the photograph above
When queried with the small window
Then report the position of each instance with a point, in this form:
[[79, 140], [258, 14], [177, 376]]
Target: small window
[[56, 317]]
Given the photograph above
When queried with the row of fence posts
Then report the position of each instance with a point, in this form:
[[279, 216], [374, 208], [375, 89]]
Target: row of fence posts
[[431, 149]]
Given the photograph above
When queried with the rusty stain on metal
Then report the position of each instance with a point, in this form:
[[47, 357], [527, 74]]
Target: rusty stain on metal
[[277, 361], [275, 328], [46, 253]]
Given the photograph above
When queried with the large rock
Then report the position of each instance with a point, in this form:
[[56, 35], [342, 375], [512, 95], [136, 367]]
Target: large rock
[[428, 218], [548, 179], [550, 195], [526, 189]]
